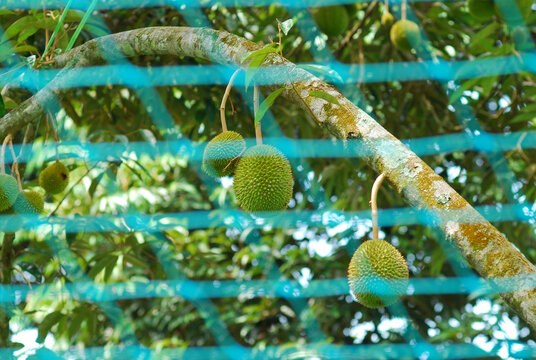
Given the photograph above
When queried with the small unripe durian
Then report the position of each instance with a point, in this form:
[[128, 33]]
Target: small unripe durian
[[263, 179], [54, 178], [9, 189], [482, 10], [387, 19], [29, 202], [332, 20], [222, 152], [376, 262], [405, 35], [521, 38]]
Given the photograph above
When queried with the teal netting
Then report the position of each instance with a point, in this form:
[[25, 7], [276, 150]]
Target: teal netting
[[143, 81]]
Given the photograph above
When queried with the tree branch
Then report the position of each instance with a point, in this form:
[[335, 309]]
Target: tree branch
[[484, 247]]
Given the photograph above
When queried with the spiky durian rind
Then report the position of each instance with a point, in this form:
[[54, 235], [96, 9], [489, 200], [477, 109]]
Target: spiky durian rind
[[376, 263]]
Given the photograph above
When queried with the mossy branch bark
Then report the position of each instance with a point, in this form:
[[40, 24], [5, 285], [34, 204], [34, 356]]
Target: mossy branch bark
[[484, 247]]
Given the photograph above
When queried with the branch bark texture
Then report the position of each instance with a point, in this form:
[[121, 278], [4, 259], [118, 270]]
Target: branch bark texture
[[484, 247]]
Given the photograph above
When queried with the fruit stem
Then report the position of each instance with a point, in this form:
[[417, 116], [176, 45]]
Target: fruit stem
[[374, 205], [258, 131], [224, 100], [386, 6], [3, 154], [404, 5], [15, 166]]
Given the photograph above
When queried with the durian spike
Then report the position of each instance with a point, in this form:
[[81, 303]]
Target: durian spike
[[258, 131], [224, 100], [374, 205]]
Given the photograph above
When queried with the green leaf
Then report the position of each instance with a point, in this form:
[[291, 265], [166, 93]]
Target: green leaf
[[270, 48], [131, 259], [81, 25], [101, 264], [324, 95], [266, 104], [112, 261], [2, 106], [58, 26], [94, 183], [253, 68], [286, 25], [74, 326], [322, 72], [48, 322]]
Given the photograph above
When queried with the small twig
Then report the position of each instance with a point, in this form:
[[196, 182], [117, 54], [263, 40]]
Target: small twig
[[258, 131], [224, 100], [15, 166], [28, 139], [359, 25], [16, 268], [233, 159], [54, 134], [71, 189], [374, 205], [280, 43]]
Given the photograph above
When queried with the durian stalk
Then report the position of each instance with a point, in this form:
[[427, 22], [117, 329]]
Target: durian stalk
[[258, 131], [224, 100], [374, 205]]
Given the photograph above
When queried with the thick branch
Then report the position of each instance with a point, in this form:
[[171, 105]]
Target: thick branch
[[484, 247]]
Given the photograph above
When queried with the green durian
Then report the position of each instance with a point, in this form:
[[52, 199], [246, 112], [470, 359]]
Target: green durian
[[332, 20], [29, 202], [263, 179], [377, 262], [387, 19], [54, 178], [9, 190], [405, 35], [482, 10], [222, 152]]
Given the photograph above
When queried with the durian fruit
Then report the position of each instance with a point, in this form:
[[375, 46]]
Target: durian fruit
[[376, 263], [54, 178], [29, 202], [9, 190], [387, 19], [521, 38], [263, 179], [405, 35], [332, 20], [482, 10], [221, 154]]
